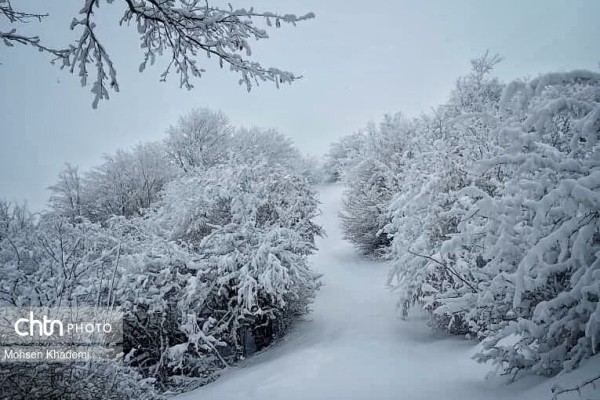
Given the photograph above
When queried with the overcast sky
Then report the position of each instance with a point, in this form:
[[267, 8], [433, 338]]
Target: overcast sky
[[359, 59]]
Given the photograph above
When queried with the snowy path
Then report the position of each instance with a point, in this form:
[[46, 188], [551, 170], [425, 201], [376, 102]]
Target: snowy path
[[353, 346]]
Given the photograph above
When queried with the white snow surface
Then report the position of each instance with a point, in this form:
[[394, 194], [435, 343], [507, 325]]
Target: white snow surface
[[354, 346]]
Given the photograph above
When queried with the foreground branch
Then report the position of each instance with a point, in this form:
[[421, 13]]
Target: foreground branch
[[181, 28]]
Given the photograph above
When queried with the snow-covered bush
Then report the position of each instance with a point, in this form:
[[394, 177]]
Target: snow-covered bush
[[205, 251], [342, 156], [547, 238], [74, 381], [401, 175], [166, 338], [501, 239], [48, 260], [494, 215], [251, 227], [439, 162]]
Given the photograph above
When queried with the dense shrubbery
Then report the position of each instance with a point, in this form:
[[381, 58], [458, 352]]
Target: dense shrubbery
[[489, 212], [201, 239]]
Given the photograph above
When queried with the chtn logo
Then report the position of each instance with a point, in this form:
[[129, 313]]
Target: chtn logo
[[45, 326]]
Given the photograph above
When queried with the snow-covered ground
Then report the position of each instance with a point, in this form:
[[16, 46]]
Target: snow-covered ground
[[353, 345]]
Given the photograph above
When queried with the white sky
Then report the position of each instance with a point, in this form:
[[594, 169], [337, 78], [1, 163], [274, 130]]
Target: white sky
[[359, 60]]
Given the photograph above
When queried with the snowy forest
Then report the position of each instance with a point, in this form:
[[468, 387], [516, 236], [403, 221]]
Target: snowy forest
[[452, 252], [486, 211]]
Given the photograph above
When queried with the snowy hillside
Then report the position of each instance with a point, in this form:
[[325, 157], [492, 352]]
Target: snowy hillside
[[353, 346], [328, 200]]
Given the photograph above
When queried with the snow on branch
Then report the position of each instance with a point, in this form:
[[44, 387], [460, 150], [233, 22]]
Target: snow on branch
[[183, 29], [13, 15], [536, 86], [11, 37]]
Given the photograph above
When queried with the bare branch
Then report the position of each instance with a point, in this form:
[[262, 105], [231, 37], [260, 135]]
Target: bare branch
[[447, 268], [557, 390]]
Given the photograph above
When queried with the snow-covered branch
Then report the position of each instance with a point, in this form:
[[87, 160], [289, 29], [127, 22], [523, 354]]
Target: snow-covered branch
[[12, 37], [184, 29]]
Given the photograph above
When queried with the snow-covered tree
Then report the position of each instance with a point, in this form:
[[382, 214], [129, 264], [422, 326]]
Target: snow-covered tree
[[478, 91], [369, 162], [342, 155], [426, 212], [199, 140], [263, 146], [365, 206], [67, 193], [127, 182]]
